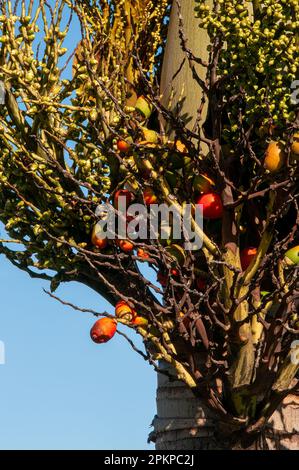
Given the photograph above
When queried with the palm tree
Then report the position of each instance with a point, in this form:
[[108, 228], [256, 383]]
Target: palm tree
[[165, 105]]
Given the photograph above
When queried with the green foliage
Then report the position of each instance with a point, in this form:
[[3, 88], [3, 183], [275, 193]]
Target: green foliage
[[258, 58], [60, 159]]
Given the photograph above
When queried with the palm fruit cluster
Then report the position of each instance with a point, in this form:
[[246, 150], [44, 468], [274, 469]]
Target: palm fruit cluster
[[82, 127]]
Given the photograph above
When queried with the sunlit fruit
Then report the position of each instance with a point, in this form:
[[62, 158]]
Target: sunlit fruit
[[178, 145], [292, 255], [202, 184], [125, 245], [246, 256], [212, 207], [126, 196], [150, 135], [144, 107], [149, 197], [123, 146], [141, 253], [124, 311], [275, 157], [295, 144], [103, 330], [98, 238], [174, 272], [140, 321]]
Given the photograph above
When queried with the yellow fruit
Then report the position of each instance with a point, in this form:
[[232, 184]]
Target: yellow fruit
[[275, 157], [144, 106], [295, 144], [292, 255], [150, 135], [295, 148]]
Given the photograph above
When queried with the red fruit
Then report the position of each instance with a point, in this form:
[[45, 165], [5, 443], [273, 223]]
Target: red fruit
[[142, 253], [174, 272], [247, 255], [125, 245], [103, 330], [212, 207], [149, 197], [162, 278], [101, 243], [123, 146], [124, 193], [201, 284], [123, 310]]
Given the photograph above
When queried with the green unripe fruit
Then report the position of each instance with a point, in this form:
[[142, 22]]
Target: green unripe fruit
[[292, 255], [144, 107]]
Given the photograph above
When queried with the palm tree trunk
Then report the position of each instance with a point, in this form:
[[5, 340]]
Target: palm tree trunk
[[183, 422], [180, 93]]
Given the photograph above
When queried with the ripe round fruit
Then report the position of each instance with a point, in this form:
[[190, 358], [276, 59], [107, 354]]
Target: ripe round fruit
[[247, 255], [103, 330], [123, 193], [212, 207], [141, 253], [149, 135], [124, 311], [123, 146], [293, 254], [174, 272], [295, 144], [275, 157], [97, 237], [125, 245], [149, 197]]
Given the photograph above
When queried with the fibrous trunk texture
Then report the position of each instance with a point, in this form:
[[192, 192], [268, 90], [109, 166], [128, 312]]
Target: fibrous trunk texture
[[183, 422]]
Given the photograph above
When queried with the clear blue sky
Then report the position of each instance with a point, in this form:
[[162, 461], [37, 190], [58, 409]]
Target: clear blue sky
[[59, 390]]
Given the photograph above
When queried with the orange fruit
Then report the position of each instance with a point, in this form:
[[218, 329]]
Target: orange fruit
[[103, 330], [274, 157]]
